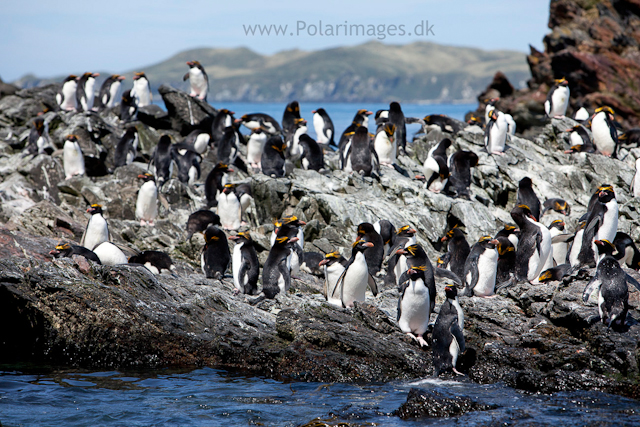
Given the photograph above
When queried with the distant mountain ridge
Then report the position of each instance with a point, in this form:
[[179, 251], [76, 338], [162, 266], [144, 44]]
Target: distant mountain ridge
[[370, 72]]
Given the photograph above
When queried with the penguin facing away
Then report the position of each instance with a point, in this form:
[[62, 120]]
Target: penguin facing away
[[109, 92], [127, 148], [312, 157], [72, 157], [611, 282], [215, 182], [97, 230], [163, 160], [200, 220], [147, 201], [276, 277], [245, 265], [84, 91], [457, 249], [39, 141], [154, 261], [272, 160], [447, 336], [215, 256], [128, 107], [526, 196]]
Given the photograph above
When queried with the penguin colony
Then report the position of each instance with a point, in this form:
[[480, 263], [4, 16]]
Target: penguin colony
[[527, 251]]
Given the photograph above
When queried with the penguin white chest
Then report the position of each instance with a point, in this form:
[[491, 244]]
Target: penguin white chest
[[318, 126], [87, 102], [229, 211], [415, 308], [235, 266], [498, 135], [559, 250], [147, 203], [385, 148], [68, 99], [487, 269], [96, 233], [602, 134], [609, 226], [332, 273], [110, 254], [201, 143], [113, 93], [636, 180], [255, 147], [198, 82], [576, 139], [560, 101], [355, 281], [142, 92], [73, 159]]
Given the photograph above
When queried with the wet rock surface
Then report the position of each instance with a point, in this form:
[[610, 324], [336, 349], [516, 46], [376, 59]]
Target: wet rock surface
[[539, 338], [431, 404]]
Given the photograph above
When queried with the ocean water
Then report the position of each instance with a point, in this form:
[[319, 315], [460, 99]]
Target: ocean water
[[342, 113], [209, 397]]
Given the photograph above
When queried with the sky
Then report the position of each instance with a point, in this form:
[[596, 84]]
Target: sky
[[50, 39]]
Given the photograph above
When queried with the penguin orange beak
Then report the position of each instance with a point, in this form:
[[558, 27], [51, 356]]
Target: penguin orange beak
[[295, 239], [494, 241], [401, 252], [532, 217], [233, 237], [237, 120], [411, 271], [323, 262], [230, 170], [444, 239], [302, 222], [368, 244], [122, 78], [368, 113], [313, 111], [54, 252]]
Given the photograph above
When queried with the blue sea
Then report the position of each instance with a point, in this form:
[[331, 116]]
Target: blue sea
[[209, 397]]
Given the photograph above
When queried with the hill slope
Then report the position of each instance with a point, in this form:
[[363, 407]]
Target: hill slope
[[372, 71]]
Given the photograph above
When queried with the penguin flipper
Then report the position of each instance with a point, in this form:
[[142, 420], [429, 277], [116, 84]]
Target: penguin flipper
[[591, 287], [458, 335], [562, 238], [186, 76], [339, 282], [373, 285], [471, 266], [633, 281]]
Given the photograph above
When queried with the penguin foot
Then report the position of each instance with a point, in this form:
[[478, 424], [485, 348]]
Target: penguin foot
[[143, 223], [457, 372], [422, 342], [236, 291], [499, 153]]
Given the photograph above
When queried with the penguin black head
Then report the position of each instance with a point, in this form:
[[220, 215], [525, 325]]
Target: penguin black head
[[277, 144], [330, 258], [213, 234], [505, 247], [558, 223], [493, 115], [72, 138], [94, 209], [61, 250], [285, 241], [71, 77], [192, 64], [291, 220], [605, 193], [361, 114], [293, 107], [416, 271], [222, 168], [242, 237], [546, 276], [300, 121], [562, 82], [520, 212], [140, 75], [605, 108], [360, 245], [406, 231], [38, 123], [488, 242], [473, 120], [413, 250], [146, 177], [390, 129], [394, 106], [525, 182], [118, 77], [364, 228], [561, 206], [450, 292], [228, 188], [605, 247], [454, 232]]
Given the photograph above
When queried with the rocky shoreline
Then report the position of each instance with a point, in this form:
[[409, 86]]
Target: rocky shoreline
[[68, 312]]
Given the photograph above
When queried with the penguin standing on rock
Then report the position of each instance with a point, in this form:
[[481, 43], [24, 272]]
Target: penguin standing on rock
[[414, 303], [127, 148], [245, 265], [255, 147], [457, 251], [197, 140], [506, 259], [154, 261], [109, 92], [290, 118], [215, 182], [66, 97], [323, 126], [163, 160], [272, 160], [72, 157], [312, 157], [397, 264], [223, 120], [39, 141], [635, 182], [605, 135], [291, 226], [576, 246], [627, 250], [147, 202], [228, 148], [215, 256], [534, 244], [435, 169], [611, 282], [198, 80], [481, 268], [387, 231], [557, 99], [385, 144], [84, 91], [361, 119], [97, 230], [526, 196], [276, 277], [375, 254], [355, 278], [495, 133], [141, 90], [67, 250], [601, 223], [128, 107], [188, 162], [460, 164], [396, 118], [510, 232], [333, 264], [447, 336], [229, 209], [361, 156], [560, 246]]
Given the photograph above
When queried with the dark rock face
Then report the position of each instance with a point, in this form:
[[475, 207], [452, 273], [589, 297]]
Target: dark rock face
[[186, 112], [431, 404], [593, 44]]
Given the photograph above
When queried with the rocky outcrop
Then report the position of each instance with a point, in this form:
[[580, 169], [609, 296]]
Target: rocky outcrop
[[431, 404], [74, 313], [594, 45]]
